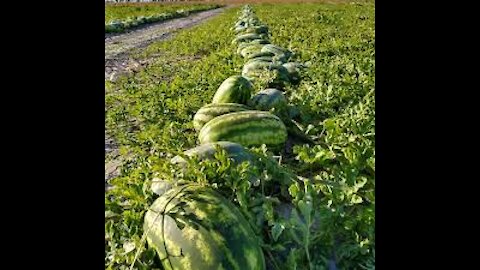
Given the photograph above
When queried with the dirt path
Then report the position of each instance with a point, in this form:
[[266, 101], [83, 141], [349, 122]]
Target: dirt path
[[118, 46], [118, 62]]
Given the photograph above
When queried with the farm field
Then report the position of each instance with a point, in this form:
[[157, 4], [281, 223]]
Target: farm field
[[310, 200], [122, 16]]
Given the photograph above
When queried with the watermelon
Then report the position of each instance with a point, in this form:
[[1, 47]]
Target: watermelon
[[271, 100], [163, 16], [278, 51], [108, 28], [262, 29], [234, 151], [142, 19], [266, 56], [255, 68], [238, 29], [183, 12], [266, 59], [248, 37], [149, 19], [235, 89], [207, 151], [293, 71], [247, 23], [252, 49], [115, 26], [128, 23], [210, 111], [240, 24], [246, 128], [201, 230], [243, 45], [260, 54]]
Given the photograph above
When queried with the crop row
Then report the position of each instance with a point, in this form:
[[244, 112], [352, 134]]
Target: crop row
[[199, 234], [332, 103], [121, 24]]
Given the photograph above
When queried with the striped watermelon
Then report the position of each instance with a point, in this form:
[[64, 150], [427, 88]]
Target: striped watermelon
[[255, 68], [252, 49], [234, 151], [150, 19], [246, 128], [240, 23], [128, 23], [293, 71], [280, 52], [201, 230], [115, 26], [271, 100], [262, 29], [241, 46], [265, 59], [248, 37], [267, 56], [235, 89], [276, 49], [259, 54], [142, 19], [207, 151], [210, 111]]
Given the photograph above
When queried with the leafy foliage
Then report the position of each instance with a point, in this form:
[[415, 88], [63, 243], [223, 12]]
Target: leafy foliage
[[125, 11], [312, 207]]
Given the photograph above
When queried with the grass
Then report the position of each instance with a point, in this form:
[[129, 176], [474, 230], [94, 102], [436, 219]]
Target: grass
[[130, 11], [150, 115]]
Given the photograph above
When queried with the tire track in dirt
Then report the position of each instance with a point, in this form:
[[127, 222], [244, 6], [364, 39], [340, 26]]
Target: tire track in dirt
[[118, 61]]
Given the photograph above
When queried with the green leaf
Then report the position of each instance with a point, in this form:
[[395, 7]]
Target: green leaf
[[293, 190], [128, 247], [277, 230], [356, 199], [305, 209], [109, 214]]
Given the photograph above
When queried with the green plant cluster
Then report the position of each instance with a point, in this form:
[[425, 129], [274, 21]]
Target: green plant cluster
[[120, 17], [313, 206]]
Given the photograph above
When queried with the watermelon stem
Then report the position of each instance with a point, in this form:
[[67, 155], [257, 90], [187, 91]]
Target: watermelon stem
[[295, 131]]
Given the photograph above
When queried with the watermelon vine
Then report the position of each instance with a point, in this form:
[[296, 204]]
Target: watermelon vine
[[308, 198]]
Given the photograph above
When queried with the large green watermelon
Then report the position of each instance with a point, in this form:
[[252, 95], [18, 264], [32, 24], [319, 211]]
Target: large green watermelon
[[293, 69], [235, 151], [207, 151], [251, 49], [129, 23], [142, 19], [248, 37], [271, 100], [210, 111], [256, 68], [115, 26], [276, 50], [280, 53], [247, 128], [195, 228], [241, 46], [259, 54], [262, 29], [235, 89]]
